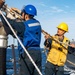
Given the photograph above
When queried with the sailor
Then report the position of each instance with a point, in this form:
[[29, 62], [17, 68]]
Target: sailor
[[29, 32], [57, 54]]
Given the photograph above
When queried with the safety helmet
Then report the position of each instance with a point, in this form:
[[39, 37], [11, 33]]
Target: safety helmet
[[63, 26], [29, 9]]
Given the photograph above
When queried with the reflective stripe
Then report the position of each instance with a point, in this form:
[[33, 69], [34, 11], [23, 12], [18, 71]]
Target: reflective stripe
[[33, 24]]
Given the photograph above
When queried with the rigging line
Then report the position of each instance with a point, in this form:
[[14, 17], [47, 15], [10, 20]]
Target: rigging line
[[70, 62], [42, 30], [15, 14], [58, 43], [21, 43], [61, 43], [67, 60], [13, 55]]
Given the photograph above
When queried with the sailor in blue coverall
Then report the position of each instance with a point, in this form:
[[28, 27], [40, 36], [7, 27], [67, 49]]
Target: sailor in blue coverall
[[29, 32]]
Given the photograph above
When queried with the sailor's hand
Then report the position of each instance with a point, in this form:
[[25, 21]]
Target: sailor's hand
[[46, 36], [72, 45], [15, 9]]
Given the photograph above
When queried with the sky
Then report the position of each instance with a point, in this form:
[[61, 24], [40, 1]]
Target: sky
[[50, 13]]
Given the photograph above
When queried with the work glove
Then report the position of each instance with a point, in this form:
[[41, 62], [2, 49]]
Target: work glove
[[48, 42], [46, 36], [16, 10]]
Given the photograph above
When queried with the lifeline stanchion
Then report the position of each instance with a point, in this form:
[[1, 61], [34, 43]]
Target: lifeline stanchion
[[13, 58], [21, 44]]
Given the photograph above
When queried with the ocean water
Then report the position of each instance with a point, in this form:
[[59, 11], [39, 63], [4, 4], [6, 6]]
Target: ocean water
[[69, 68], [10, 64]]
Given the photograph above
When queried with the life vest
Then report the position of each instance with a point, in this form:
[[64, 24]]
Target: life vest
[[32, 34], [57, 54]]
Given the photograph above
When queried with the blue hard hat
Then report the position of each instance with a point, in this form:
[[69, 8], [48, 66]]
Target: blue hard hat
[[29, 9]]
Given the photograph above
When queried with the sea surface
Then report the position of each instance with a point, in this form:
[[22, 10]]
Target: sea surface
[[10, 61], [13, 68]]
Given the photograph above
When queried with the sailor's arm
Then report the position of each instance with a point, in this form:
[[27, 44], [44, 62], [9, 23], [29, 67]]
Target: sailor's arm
[[18, 26], [48, 41], [71, 48]]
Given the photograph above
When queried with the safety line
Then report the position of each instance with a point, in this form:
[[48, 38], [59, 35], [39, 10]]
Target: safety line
[[21, 43]]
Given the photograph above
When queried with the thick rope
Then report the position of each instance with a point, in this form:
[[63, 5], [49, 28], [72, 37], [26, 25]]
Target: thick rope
[[61, 43], [44, 32], [71, 62], [67, 60], [21, 43]]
